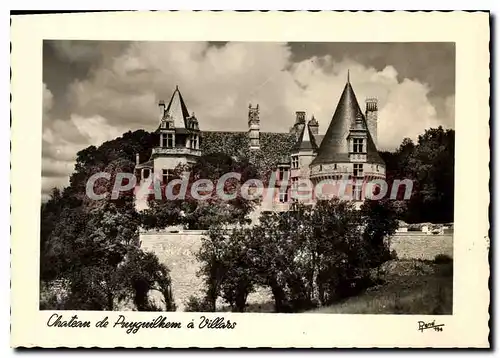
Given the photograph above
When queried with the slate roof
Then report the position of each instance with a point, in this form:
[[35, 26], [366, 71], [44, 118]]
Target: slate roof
[[334, 146], [177, 110], [306, 140]]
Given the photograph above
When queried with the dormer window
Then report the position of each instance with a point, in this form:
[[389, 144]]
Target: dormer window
[[295, 162], [163, 124], [358, 145]]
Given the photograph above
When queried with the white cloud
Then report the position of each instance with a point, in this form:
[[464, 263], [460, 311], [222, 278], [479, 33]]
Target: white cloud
[[63, 139], [218, 83]]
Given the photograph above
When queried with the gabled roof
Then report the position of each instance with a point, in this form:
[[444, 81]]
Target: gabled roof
[[306, 140], [177, 110], [334, 146]]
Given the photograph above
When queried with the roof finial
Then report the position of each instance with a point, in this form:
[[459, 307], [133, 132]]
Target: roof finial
[[176, 87], [348, 81]]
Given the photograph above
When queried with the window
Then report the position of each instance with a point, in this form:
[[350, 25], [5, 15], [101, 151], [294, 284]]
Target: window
[[356, 191], [282, 173], [377, 167], [358, 170], [283, 196], [167, 175], [167, 140], [358, 145], [163, 124], [295, 162], [145, 173], [335, 167], [194, 142]]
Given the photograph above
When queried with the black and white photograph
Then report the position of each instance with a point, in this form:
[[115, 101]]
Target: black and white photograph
[[250, 188], [249, 177]]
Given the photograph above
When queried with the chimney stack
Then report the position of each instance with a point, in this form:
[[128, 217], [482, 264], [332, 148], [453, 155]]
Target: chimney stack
[[254, 127], [161, 104], [300, 117], [137, 160], [313, 126], [371, 115]]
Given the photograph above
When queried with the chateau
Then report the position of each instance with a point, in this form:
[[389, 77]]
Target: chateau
[[348, 149]]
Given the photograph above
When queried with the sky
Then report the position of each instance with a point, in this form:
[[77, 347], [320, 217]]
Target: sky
[[94, 91]]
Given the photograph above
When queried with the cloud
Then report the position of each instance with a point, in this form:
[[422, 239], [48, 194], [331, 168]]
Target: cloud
[[62, 139], [218, 82]]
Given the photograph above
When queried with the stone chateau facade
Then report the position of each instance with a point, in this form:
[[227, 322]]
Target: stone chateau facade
[[348, 149]]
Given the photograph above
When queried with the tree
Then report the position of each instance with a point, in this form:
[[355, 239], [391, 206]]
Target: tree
[[194, 213], [226, 267], [91, 247], [309, 256], [380, 220], [430, 165]]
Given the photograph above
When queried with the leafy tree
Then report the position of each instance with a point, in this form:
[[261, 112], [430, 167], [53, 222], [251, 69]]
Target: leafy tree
[[430, 165], [380, 220], [194, 213], [307, 256], [92, 246], [226, 267]]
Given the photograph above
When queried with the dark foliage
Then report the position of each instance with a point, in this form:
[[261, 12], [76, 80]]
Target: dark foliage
[[430, 164], [90, 248], [308, 257]]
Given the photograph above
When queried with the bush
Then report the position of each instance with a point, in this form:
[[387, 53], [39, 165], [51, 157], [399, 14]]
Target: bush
[[442, 259], [308, 257], [196, 304]]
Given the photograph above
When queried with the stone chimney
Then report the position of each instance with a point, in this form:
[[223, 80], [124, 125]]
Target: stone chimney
[[371, 115], [254, 127], [300, 117], [313, 126], [161, 105]]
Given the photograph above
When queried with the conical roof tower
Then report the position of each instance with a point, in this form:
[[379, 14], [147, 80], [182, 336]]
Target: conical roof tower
[[348, 116]]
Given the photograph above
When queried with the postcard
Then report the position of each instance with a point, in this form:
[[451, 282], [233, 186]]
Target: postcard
[[250, 179]]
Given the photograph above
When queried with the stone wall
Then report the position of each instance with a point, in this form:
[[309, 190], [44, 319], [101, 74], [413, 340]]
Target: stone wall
[[417, 245], [178, 250]]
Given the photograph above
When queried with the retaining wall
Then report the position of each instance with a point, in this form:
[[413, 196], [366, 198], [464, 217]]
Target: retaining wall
[[178, 251]]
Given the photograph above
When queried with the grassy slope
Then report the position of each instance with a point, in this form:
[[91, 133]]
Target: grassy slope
[[418, 293]]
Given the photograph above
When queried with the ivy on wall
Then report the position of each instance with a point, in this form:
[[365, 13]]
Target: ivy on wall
[[274, 147]]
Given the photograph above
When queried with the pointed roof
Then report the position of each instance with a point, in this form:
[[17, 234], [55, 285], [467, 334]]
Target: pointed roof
[[334, 146], [177, 109], [306, 140]]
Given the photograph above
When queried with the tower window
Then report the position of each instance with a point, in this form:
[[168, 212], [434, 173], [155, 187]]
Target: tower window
[[283, 195], [167, 140], [335, 167], [295, 162], [377, 167], [358, 145], [358, 170]]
